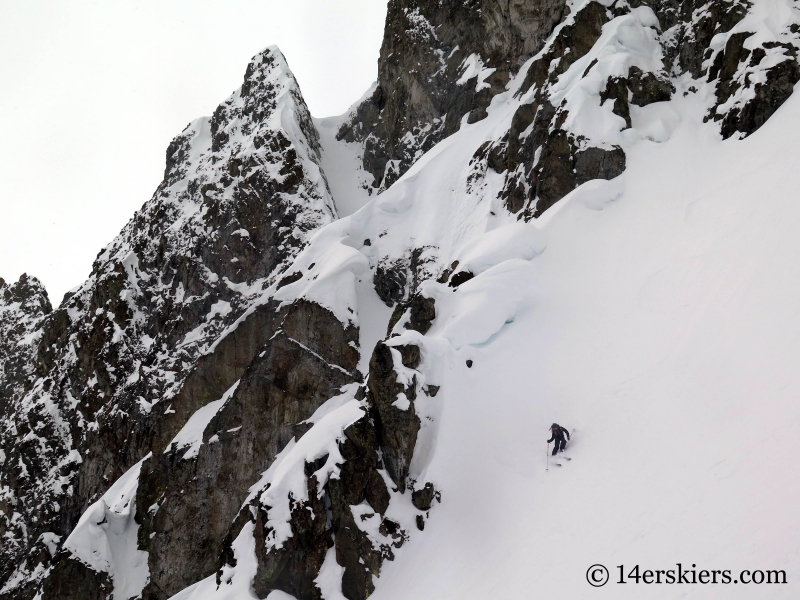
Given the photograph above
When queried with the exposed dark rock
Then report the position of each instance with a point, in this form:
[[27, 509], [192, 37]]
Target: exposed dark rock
[[289, 279], [692, 25], [25, 434], [445, 275], [617, 89], [769, 96], [423, 498], [419, 100], [70, 579], [390, 282], [172, 315], [726, 63], [397, 280], [535, 185], [293, 568], [647, 88], [541, 160], [459, 278], [596, 163], [410, 356], [732, 69], [397, 314], [217, 371], [578, 37], [300, 429], [23, 305], [423, 312], [125, 352], [326, 520], [397, 428], [301, 365], [360, 482]]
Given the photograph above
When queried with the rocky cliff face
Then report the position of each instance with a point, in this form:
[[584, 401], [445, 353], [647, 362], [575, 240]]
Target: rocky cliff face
[[243, 394], [439, 63], [442, 63], [128, 357], [23, 305]]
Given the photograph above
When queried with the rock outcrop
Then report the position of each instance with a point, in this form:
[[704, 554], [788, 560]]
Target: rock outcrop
[[439, 63], [23, 305], [335, 497], [198, 493]]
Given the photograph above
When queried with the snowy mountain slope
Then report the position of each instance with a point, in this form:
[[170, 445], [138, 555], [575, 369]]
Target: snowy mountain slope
[[585, 247], [424, 222], [241, 194], [663, 326]]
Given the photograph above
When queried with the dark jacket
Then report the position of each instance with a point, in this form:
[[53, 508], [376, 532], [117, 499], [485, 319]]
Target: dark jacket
[[558, 433]]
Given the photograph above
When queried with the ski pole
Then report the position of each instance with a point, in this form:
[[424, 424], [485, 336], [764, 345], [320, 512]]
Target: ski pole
[[547, 457]]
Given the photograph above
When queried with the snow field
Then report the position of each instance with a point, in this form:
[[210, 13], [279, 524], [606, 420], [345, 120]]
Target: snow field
[[665, 328]]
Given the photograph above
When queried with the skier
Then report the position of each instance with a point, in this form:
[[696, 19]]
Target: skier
[[557, 433]]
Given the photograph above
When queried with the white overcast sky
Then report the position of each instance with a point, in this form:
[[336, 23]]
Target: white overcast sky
[[92, 92]]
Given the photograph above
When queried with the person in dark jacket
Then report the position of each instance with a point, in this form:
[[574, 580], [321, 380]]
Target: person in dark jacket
[[557, 434]]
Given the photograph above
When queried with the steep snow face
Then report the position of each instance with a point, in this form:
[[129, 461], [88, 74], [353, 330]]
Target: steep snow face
[[661, 323], [756, 64], [242, 193], [442, 62], [449, 213], [342, 162]]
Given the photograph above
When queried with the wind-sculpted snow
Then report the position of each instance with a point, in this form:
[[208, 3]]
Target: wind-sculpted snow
[[105, 538], [284, 392], [441, 221]]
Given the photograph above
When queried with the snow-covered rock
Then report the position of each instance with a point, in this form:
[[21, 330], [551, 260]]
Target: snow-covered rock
[[242, 193]]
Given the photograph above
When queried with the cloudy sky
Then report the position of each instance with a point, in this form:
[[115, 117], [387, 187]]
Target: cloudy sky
[[92, 92]]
